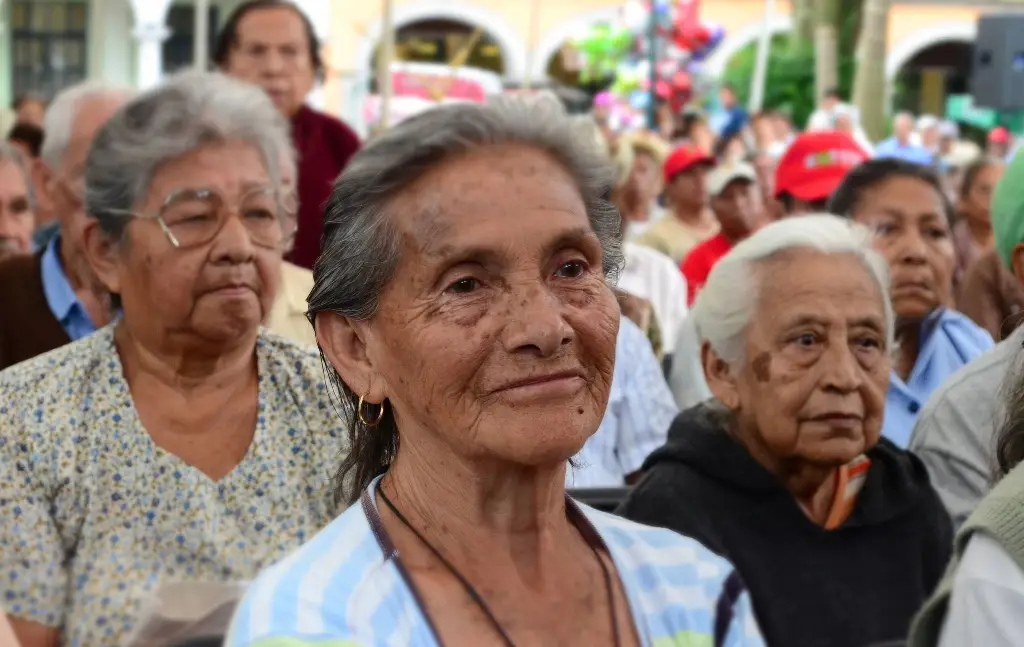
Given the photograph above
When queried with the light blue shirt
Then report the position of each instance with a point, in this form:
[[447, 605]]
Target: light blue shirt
[[348, 587], [948, 341], [60, 296], [907, 152], [640, 411]]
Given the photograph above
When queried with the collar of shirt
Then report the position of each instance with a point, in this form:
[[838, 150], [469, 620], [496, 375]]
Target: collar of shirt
[[60, 296], [948, 341]]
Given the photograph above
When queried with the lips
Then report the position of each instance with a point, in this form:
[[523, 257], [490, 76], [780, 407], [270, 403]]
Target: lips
[[541, 380]]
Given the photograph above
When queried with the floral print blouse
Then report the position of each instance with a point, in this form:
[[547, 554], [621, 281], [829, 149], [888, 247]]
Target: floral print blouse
[[94, 515]]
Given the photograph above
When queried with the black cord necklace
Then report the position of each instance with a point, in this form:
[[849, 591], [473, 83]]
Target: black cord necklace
[[479, 601]]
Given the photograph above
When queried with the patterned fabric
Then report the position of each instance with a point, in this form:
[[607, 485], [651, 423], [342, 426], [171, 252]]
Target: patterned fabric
[[60, 296], [96, 516], [343, 590], [640, 411]]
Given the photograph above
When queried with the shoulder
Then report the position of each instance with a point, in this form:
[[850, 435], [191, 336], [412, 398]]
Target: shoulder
[[59, 371], [336, 130], [962, 331], [682, 588], [316, 592], [14, 272], [299, 363], [971, 391]]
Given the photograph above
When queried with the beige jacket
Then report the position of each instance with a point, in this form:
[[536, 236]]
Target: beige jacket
[[288, 316]]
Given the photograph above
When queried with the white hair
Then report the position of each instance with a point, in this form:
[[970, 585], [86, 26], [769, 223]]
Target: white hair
[[723, 309], [60, 115]]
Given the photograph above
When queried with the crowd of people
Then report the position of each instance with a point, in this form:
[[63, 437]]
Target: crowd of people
[[375, 379]]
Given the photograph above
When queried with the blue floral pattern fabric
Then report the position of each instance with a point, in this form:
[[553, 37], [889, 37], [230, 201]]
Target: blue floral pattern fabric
[[94, 515]]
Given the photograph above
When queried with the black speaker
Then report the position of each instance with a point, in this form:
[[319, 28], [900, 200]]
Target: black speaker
[[997, 64]]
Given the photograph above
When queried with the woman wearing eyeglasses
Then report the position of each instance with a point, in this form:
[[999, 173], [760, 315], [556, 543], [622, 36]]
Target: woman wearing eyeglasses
[[182, 442]]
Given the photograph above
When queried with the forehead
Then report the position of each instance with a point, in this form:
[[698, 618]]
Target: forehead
[[206, 167], [802, 283], [487, 194], [11, 177], [272, 24], [900, 196]]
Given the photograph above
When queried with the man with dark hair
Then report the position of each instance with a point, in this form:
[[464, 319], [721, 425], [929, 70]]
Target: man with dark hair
[[271, 43], [27, 138]]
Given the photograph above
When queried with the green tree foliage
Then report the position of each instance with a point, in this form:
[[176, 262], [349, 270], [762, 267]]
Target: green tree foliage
[[790, 80]]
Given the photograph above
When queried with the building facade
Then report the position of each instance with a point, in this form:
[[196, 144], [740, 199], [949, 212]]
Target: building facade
[[46, 44]]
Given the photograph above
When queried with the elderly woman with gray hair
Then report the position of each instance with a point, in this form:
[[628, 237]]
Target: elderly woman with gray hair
[[17, 217], [836, 531], [462, 307], [182, 442]]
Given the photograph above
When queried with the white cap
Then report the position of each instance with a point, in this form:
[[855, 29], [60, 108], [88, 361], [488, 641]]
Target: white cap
[[723, 174]]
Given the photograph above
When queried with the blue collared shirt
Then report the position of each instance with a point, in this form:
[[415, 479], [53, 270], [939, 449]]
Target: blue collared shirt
[[906, 152], [60, 296], [948, 341], [640, 411]]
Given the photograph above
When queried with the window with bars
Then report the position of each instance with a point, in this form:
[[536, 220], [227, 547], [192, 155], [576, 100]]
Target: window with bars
[[48, 45], [179, 46]]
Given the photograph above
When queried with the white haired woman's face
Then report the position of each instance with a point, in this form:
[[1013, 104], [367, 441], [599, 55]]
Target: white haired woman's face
[[812, 385]]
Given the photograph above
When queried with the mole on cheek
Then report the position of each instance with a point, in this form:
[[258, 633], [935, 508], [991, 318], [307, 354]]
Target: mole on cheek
[[762, 367], [580, 411]]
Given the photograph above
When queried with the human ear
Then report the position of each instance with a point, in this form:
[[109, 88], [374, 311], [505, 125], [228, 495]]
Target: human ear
[[1017, 262], [720, 378], [343, 342], [103, 255]]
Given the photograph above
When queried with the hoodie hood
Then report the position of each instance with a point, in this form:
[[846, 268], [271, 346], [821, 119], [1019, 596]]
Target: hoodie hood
[[699, 441]]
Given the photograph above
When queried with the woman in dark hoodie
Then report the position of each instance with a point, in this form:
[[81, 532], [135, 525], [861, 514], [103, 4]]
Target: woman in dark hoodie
[[835, 530]]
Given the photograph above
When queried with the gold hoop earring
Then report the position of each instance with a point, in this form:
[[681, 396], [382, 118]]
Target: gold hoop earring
[[362, 416]]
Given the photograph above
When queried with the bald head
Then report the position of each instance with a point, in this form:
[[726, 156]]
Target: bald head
[[73, 119]]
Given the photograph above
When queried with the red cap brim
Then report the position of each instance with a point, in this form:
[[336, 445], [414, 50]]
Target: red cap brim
[[812, 190]]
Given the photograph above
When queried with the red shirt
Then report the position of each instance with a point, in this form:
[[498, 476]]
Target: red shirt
[[698, 263], [324, 146]]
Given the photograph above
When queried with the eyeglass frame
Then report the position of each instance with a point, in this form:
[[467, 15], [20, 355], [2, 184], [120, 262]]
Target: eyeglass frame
[[282, 213]]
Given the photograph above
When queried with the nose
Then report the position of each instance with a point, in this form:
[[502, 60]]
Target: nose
[[912, 248], [841, 371], [233, 244], [273, 63], [536, 323]]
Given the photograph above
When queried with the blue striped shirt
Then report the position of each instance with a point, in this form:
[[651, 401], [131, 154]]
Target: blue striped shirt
[[344, 589]]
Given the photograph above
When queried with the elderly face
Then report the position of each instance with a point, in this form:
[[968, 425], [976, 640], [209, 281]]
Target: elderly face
[[272, 51], [218, 290], [816, 369], [902, 127], [912, 233], [496, 336], [64, 187], [16, 218]]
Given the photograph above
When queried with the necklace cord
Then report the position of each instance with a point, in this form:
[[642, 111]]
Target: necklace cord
[[478, 599]]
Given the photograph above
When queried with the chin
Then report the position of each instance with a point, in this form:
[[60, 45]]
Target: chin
[[913, 308], [540, 438]]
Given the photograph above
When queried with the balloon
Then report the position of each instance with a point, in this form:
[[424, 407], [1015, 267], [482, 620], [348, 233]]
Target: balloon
[[635, 16]]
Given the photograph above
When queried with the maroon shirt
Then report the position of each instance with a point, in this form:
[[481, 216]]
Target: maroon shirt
[[324, 145]]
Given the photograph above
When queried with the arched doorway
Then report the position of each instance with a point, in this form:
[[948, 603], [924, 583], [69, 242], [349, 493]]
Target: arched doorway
[[924, 81], [445, 41]]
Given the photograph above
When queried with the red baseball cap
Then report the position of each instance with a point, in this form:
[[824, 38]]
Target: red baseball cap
[[999, 135], [683, 158], [814, 165]]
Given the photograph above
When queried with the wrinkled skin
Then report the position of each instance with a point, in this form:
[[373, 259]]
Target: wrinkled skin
[[810, 394], [500, 280]]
